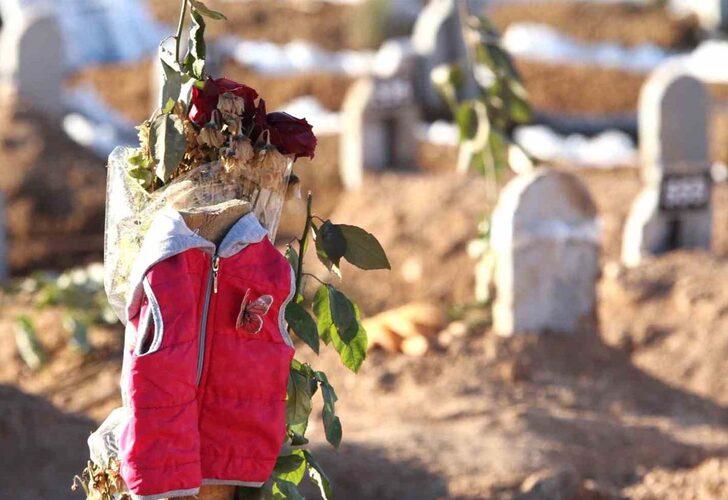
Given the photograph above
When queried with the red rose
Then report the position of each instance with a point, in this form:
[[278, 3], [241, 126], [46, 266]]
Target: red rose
[[291, 135], [204, 101]]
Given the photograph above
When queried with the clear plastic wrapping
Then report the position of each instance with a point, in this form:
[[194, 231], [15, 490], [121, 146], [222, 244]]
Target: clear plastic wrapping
[[130, 209]]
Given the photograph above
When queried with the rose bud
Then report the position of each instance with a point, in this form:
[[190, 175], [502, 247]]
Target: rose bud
[[291, 135]]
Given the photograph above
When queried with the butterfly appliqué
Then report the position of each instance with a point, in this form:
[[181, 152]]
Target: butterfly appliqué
[[252, 312]]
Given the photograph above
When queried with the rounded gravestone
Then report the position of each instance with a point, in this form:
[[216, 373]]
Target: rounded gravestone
[[674, 208], [545, 238]]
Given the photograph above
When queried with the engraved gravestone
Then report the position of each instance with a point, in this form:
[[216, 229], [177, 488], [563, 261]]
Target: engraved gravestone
[[379, 120], [545, 242], [31, 65], [673, 210], [437, 39]]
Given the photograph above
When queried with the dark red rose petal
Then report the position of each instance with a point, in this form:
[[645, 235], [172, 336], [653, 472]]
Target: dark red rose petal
[[291, 135]]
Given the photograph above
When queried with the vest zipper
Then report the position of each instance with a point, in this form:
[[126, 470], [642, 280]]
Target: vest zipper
[[211, 288]]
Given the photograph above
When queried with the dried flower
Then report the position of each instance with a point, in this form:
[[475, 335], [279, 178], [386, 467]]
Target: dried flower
[[211, 136], [243, 149], [205, 100], [234, 124], [272, 166], [231, 104]]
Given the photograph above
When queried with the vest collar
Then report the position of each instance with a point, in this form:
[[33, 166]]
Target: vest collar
[[169, 235]]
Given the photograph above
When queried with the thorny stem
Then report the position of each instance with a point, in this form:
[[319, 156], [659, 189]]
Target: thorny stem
[[302, 244], [180, 27]]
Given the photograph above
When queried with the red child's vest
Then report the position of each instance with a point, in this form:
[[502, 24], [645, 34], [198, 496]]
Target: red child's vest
[[206, 360]]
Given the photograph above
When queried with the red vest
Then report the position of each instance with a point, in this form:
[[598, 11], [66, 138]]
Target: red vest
[[206, 360]]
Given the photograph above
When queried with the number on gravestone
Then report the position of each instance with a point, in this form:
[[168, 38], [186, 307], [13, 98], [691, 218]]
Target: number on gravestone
[[685, 192]]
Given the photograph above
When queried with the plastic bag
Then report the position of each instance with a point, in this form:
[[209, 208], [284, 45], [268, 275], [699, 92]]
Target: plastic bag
[[130, 209]]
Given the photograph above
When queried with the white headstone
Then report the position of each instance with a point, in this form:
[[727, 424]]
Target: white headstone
[[546, 244], [379, 120], [95, 31], [712, 14], [31, 65], [3, 242], [437, 39], [674, 208]]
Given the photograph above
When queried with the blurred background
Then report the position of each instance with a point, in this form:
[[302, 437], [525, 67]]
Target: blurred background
[[630, 403]]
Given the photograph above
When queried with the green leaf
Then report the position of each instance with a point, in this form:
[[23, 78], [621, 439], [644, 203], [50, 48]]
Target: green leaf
[[172, 86], [286, 490], [343, 314], [318, 476], [353, 352], [330, 244], [168, 144], [26, 341], [362, 249], [298, 403], [197, 52], [292, 257], [206, 11], [322, 310], [332, 424], [303, 325], [291, 468], [79, 333]]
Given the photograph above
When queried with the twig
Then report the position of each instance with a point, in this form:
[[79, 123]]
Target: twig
[[180, 27]]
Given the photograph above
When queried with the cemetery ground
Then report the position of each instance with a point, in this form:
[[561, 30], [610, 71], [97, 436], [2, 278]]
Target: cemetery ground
[[637, 409]]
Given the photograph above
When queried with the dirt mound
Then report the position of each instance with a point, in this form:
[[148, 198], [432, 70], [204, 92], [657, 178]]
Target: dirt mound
[[671, 316], [424, 222], [127, 87], [585, 90], [529, 409], [326, 24], [42, 447], [629, 23], [55, 193], [707, 481]]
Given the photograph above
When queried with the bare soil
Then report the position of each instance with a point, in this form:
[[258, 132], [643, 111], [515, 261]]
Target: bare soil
[[55, 194], [629, 23], [329, 25], [480, 419], [127, 88]]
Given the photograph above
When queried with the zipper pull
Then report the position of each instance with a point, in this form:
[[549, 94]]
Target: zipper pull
[[215, 270]]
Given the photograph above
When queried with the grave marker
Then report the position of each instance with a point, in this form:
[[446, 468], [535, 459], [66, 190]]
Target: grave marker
[[545, 241], [31, 66], [712, 14], [673, 210], [437, 39], [379, 120]]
